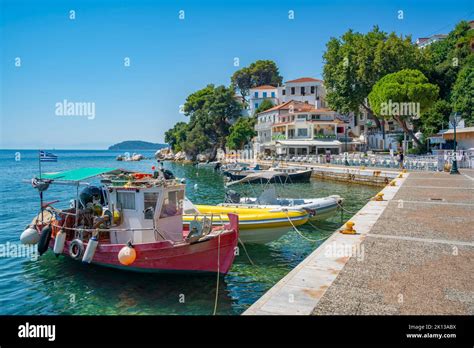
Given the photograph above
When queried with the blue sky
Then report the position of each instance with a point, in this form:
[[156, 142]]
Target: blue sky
[[82, 60]]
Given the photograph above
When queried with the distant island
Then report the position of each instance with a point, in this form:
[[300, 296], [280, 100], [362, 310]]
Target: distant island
[[136, 145]]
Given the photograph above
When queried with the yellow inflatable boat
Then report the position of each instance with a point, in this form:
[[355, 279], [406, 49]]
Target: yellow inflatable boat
[[256, 225]]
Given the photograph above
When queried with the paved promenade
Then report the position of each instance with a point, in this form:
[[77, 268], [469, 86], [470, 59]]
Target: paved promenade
[[413, 254], [419, 255]]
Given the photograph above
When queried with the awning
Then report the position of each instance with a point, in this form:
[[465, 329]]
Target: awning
[[261, 174], [320, 143], [77, 175], [458, 130]]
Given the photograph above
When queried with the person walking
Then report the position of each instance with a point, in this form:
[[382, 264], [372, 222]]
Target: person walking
[[400, 159]]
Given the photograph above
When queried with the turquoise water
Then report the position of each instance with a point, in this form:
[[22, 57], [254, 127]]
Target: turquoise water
[[51, 285]]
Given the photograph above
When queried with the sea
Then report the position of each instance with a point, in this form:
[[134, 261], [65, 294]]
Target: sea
[[50, 285]]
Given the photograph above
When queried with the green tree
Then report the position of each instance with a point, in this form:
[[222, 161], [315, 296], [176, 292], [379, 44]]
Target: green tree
[[265, 105], [435, 118], [447, 57], [261, 72], [176, 136], [241, 133], [355, 62], [241, 80], [403, 96], [462, 95], [196, 141], [212, 110]]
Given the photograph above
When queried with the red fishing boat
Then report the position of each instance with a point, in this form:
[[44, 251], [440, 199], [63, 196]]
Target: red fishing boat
[[132, 222]]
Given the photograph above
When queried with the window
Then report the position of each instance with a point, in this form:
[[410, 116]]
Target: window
[[292, 90], [302, 132], [149, 201], [264, 94], [256, 94], [312, 89], [283, 92], [256, 105], [302, 117], [172, 204], [303, 91], [126, 200], [273, 94]]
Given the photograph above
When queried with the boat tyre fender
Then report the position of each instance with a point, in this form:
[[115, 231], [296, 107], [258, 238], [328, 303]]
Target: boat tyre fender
[[76, 249], [44, 240]]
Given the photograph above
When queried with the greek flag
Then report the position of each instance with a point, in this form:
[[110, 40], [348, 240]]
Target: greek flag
[[48, 157]]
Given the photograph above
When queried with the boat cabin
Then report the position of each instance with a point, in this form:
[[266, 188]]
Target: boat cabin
[[146, 210]]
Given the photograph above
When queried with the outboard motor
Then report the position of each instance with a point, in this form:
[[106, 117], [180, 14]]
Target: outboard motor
[[91, 194], [232, 197], [167, 174]]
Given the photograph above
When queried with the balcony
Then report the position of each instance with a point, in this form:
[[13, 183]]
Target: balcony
[[324, 137], [278, 137]]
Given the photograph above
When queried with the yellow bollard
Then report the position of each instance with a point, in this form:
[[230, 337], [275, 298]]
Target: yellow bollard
[[404, 171], [348, 228], [400, 175], [379, 196], [393, 183]]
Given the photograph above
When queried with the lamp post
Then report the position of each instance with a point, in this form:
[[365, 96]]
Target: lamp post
[[346, 162], [454, 119]]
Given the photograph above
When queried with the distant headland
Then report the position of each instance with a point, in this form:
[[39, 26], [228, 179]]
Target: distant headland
[[136, 145]]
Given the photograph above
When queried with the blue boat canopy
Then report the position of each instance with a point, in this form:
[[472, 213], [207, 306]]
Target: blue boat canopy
[[77, 175]]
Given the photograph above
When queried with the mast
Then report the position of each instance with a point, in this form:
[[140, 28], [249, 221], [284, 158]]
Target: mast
[[41, 192]]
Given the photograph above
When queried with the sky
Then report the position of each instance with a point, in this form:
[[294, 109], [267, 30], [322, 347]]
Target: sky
[[134, 61]]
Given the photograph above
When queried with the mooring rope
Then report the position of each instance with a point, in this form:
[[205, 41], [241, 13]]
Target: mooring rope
[[218, 272], [301, 235], [246, 253], [319, 228], [344, 209]]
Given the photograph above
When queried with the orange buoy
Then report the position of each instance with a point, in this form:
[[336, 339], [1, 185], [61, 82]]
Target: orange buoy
[[127, 255]]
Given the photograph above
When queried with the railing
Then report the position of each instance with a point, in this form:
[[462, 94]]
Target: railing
[[465, 159], [324, 136]]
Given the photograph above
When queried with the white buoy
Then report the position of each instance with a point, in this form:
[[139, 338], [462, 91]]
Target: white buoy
[[59, 241], [195, 186], [183, 180], [90, 250], [30, 236]]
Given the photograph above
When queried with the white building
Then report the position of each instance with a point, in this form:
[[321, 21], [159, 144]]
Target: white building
[[423, 42], [304, 89], [258, 94], [299, 128]]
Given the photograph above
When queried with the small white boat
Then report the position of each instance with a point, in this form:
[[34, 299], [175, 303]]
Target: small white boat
[[318, 208]]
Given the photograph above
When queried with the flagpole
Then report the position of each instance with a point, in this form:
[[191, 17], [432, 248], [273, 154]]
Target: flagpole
[[41, 192], [39, 162]]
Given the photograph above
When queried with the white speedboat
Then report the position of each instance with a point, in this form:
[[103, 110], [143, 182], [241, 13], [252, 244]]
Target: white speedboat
[[318, 208]]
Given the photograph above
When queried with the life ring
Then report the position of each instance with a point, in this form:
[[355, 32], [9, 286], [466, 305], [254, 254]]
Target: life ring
[[76, 249], [44, 240]]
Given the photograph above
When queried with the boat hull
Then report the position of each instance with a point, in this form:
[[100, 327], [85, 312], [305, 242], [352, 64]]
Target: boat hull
[[299, 177], [164, 257], [256, 225], [318, 208]]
